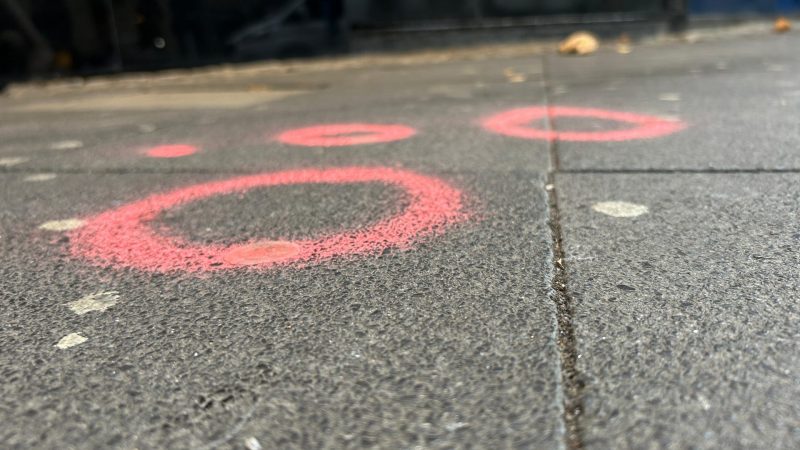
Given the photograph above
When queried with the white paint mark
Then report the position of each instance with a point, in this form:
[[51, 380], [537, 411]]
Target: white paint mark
[[252, 443], [71, 340], [12, 161], [559, 90], [147, 128], [670, 97], [100, 301], [549, 187], [692, 38], [62, 225], [620, 209], [40, 177], [66, 145]]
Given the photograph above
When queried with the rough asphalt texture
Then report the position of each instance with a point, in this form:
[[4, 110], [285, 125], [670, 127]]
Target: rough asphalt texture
[[684, 319]]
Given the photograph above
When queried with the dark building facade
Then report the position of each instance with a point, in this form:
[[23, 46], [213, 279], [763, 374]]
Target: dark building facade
[[83, 36]]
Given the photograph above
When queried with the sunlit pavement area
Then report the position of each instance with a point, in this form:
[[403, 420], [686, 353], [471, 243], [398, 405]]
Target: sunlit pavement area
[[529, 251]]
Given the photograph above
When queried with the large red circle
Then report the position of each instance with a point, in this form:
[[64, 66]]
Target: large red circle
[[121, 237], [343, 134], [517, 123]]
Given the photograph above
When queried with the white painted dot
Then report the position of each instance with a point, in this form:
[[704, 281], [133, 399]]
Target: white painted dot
[[66, 145], [147, 128], [70, 340], [62, 225], [40, 177], [670, 97], [620, 209], [100, 301], [12, 161]]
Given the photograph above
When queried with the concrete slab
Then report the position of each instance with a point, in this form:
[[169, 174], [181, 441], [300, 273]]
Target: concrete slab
[[444, 103], [686, 315], [447, 344], [737, 98]]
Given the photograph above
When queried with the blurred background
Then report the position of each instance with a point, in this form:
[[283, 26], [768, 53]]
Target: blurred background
[[59, 37]]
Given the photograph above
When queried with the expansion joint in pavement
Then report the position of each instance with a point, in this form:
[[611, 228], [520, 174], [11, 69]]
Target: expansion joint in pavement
[[565, 308]]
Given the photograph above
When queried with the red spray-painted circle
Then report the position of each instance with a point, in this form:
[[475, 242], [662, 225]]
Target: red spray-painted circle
[[121, 237], [343, 134], [517, 123], [171, 151]]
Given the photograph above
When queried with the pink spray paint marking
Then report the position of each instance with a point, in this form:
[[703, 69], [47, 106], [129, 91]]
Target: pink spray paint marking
[[171, 151], [343, 134], [517, 123], [122, 238]]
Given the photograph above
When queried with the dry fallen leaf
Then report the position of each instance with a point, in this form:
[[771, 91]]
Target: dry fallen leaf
[[513, 76], [579, 43], [782, 25], [624, 44]]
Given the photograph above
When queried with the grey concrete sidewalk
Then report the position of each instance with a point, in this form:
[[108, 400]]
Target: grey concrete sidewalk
[[597, 287]]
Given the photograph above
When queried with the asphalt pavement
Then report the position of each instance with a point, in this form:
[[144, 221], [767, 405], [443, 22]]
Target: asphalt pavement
[[526, 251]]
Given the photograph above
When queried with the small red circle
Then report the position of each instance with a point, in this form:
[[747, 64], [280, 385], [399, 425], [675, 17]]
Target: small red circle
[[343, 134], [122, 237], [517, 123], [171, 151]]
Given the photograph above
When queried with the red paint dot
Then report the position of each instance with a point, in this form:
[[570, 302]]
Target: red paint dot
[[343, 134], [517, 123], [261, 253], [123, 238], [171, 151]]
